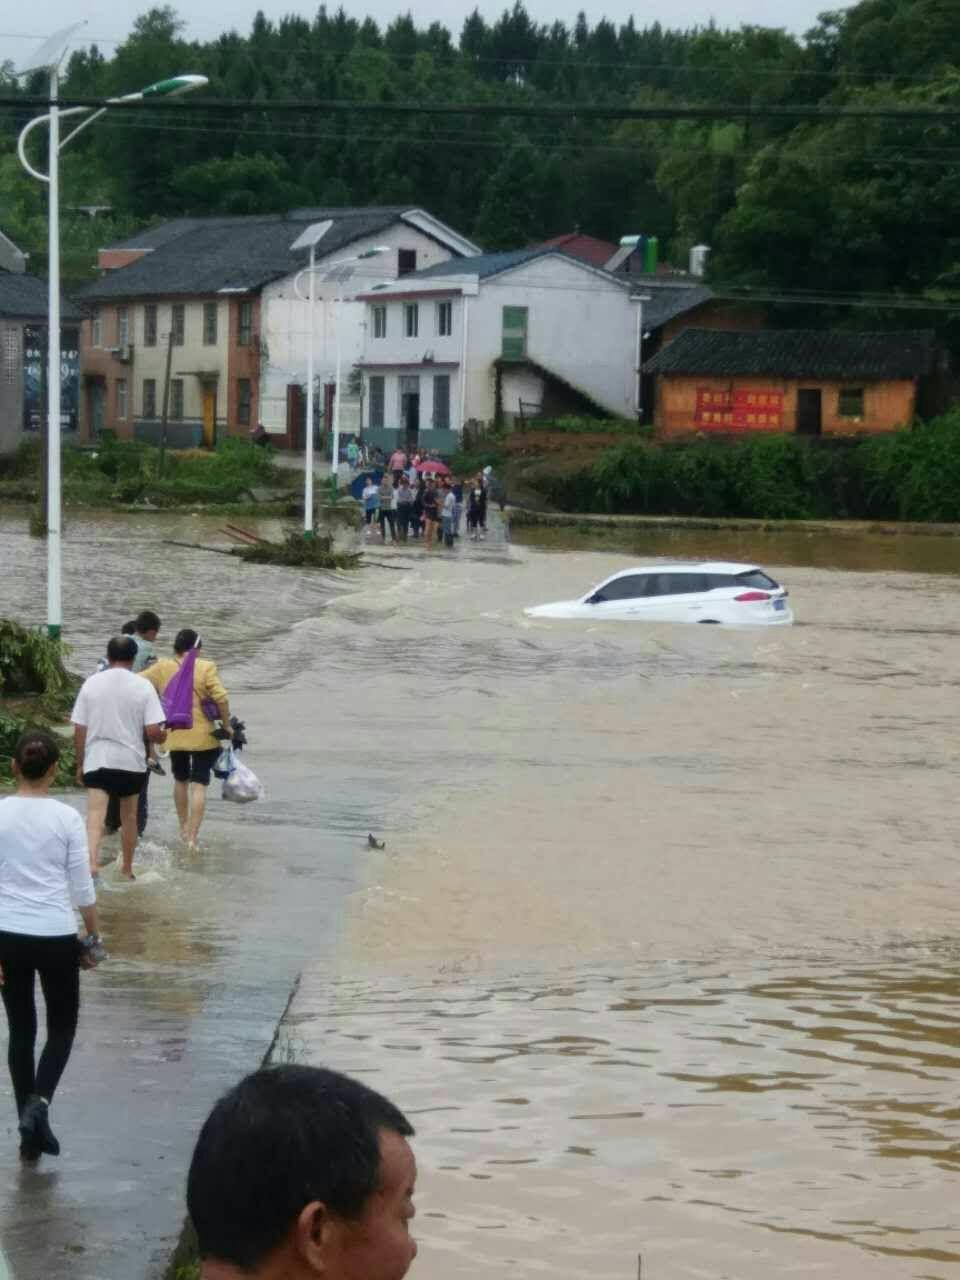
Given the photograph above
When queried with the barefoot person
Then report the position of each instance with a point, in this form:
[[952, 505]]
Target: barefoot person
[[193, 751], [303, 1174], [44, 874], [114, 714]]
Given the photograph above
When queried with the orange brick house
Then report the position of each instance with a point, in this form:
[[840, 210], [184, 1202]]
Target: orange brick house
[[798, 380]]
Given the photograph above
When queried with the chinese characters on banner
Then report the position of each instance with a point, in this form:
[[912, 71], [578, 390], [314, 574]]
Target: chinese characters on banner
[[739, 410], [34, 373]]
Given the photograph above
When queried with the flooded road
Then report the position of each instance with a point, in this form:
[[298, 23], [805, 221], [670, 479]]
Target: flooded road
[[660, 955]]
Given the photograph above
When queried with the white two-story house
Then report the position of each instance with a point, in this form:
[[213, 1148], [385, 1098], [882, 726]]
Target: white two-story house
[[494, 338]]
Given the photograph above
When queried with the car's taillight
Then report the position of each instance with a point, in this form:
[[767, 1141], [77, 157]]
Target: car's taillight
[[749, 596]]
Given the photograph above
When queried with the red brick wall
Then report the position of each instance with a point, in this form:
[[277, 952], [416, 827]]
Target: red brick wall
[[716, 315], [243, 362], [110, 259], [99, 364], [887, 405]]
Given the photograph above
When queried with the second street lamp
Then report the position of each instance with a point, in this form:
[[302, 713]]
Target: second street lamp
[[48, 58]]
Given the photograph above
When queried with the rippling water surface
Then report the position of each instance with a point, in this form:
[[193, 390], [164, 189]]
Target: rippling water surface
[[660, 954]]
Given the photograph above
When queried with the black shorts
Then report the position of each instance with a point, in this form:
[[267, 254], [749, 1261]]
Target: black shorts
[[115, 782], [193, 766]]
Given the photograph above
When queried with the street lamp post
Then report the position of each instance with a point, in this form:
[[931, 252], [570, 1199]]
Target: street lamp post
[[49, 58], [310, 238]]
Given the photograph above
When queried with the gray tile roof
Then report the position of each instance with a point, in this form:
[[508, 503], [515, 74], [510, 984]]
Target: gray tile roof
[[202, 255], [796, 353], [485, 264], [491, 264], [668, 300], [25, 297]]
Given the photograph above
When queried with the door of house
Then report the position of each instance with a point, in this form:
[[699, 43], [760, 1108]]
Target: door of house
[[809, 411], [209, 414], [410, 409], [296, 416], [96, 397]]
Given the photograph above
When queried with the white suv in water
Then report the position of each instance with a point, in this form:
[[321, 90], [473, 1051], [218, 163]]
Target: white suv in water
[[734, 594]]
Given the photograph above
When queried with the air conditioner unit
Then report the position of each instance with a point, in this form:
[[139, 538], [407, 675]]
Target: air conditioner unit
[[124, 353]]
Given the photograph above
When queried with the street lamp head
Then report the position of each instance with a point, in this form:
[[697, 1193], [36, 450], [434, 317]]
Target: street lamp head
[[174, 87]]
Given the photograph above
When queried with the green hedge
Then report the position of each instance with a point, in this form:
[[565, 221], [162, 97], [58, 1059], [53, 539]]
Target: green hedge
[[912, 474]]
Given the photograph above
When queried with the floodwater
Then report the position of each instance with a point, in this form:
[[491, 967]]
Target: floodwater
[[661, 955]]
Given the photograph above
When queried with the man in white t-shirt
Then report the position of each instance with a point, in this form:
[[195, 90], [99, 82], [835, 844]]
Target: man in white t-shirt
[[114, 713]]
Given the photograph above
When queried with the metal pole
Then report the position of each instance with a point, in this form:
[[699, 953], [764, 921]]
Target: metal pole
[[335, 461], [308, 459], [54, 504]]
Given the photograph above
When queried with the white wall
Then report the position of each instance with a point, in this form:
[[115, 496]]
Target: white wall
[[392, 419], [285, 321], [579, 326]]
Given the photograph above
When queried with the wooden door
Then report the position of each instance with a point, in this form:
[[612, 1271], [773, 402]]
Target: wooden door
[[209, 415], [809, 411]]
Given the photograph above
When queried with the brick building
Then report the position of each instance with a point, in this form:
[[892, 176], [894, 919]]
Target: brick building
[[798, 380]]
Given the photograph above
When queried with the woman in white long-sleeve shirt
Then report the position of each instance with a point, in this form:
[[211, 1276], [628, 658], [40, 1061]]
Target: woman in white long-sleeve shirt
[[44, 874]]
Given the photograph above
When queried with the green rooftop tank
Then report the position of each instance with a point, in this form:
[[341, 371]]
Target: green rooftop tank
[[650, 255]]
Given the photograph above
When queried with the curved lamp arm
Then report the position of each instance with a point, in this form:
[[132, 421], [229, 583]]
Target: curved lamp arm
[[24, 132]]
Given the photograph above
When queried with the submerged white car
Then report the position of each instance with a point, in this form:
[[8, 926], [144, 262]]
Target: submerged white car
[[734, 594]]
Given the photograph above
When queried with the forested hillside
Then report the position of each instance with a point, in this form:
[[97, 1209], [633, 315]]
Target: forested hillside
[[848, 206]]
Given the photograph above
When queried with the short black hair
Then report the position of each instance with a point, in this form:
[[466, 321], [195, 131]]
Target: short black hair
[[185, 640], [128, 629], [122, 649], [281, 1138], [35, 753], [147, 620]]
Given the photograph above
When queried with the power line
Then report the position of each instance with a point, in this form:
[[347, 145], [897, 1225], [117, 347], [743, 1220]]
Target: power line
[[529, 110]]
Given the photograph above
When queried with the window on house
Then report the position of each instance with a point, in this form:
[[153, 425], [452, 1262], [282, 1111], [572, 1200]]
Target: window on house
[[150, 325], [243, 401], [444, 319], [379, 322], [514, 345], [850, 402], [377, 399], [123, 326], [406, 261], [411, 319], [122, 399], [209, 324], [441, 401], [178, 323], [96, 328], [244, 324], [149, 397], [176, 398]]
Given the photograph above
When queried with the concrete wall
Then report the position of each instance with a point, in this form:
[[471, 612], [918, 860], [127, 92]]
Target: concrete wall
[[286, 322], [887, 405]]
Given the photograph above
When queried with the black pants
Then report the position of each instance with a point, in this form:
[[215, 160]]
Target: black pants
[[112, 820], [24, 957], [387, 518]]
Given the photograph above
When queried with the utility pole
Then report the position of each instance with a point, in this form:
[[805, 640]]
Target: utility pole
[[166, 402]]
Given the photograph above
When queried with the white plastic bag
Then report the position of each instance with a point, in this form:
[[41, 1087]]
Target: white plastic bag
[[226, 762], [243, 785]]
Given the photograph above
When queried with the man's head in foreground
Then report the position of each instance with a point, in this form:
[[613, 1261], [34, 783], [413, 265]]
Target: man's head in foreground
[[301, 1172]]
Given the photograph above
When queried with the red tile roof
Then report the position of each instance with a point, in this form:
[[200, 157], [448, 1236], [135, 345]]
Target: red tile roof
[[588, 248]]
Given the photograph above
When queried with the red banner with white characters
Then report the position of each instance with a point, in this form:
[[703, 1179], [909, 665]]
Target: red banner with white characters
[[739, 410]]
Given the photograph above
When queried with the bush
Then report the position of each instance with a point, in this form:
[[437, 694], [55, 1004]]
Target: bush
[[909, 475], [37, 692]]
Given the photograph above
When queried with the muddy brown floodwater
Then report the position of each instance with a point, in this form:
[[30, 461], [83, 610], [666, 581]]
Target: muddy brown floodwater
[[661, 955]]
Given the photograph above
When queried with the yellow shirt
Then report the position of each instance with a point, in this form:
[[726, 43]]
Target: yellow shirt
[[206, 684]]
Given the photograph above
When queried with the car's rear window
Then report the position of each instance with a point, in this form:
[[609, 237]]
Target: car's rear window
[[758, 579]]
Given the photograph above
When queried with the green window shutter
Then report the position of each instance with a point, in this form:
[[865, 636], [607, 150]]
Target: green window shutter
[[514, 348]]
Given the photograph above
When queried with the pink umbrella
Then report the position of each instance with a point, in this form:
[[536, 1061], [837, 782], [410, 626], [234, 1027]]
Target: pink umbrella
[[434, 468]]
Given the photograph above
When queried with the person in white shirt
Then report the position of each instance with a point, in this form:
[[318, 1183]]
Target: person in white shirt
[[114, 713], [44, 874]]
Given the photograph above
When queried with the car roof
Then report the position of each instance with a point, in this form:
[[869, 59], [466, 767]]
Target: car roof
[[691, 566]]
